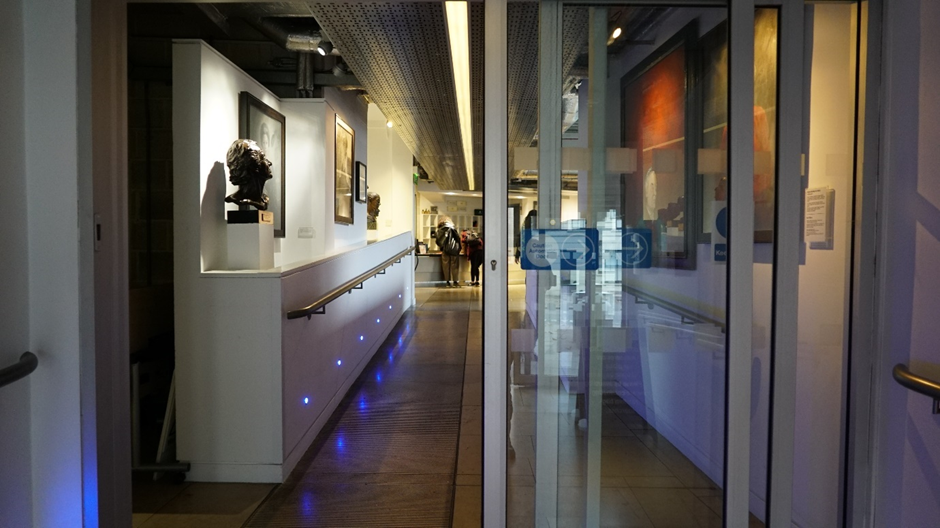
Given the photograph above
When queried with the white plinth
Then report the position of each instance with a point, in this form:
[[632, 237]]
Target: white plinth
[[250, 246]]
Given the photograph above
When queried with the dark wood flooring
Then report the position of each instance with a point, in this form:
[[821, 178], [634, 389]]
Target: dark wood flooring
[[388, 455]]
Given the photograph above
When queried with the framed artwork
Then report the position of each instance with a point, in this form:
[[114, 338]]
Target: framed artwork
[[658, 116], [265, 126], [361, 183], [714, 116], [343, 183]]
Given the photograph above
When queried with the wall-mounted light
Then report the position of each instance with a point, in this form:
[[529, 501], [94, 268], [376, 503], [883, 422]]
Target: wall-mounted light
[[389, 123], [458, 32], [616, 33], [325, 47]]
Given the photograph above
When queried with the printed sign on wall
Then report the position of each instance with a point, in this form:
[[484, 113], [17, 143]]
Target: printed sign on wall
[[635, 248], [720, 231], [559, 249]]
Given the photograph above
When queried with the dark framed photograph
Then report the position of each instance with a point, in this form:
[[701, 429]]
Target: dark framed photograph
[[344, 156], [265, 126], [658, 120], [714, 138], [361, 182]]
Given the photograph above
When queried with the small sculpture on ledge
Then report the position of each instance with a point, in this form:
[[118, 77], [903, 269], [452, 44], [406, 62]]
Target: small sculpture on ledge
[[249, 170], [374, 201]]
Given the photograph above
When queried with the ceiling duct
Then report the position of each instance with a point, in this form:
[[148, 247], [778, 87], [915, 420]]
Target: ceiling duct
[[300, 34], [290, 25]]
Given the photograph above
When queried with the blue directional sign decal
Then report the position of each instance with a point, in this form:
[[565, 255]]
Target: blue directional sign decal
[[719, 242], [560, 249], [635, 248]]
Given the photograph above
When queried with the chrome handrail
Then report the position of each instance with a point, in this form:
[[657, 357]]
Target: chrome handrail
[[918, 384], [683, 312], [319, 306], [19, 370]]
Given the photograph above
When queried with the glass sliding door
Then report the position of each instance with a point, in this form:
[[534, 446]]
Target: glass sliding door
[[618, 288], [656, 283]]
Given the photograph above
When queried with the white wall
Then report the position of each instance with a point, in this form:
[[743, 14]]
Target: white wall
[[15, 421], [206, 85], [390, 174], [354, 113], [59, 216], [823, 302], [237, 357], [907, 435], [306, 181]]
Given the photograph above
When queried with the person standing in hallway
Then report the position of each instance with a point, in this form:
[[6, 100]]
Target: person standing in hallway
[[474, 256], [449, 241]]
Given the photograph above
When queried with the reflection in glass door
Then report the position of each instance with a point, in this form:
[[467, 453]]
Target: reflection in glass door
[[618, 129]]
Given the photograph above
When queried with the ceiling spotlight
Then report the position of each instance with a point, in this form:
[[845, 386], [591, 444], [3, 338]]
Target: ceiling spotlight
[[616, 33], [389, 124], [325, 47]]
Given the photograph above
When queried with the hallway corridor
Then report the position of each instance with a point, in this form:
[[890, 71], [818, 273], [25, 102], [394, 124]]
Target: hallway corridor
[[389, 454]]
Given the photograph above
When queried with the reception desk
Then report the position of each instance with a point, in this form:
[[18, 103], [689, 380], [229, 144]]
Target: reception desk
[[429, 269]]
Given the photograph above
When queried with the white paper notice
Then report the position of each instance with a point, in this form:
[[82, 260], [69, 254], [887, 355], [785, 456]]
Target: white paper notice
[[818, 220]]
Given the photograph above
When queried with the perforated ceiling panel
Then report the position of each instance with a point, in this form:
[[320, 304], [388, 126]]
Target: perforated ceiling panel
[[399, 52], [523, 64]]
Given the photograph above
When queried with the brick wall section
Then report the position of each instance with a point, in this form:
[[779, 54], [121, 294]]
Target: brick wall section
[[151, 258]]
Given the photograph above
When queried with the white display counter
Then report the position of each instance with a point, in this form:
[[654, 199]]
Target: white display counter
[[254, 388]]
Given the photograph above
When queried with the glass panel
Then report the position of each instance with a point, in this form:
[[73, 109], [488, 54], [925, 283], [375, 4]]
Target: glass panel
[[766, 24], [617, 310], [824, 284]]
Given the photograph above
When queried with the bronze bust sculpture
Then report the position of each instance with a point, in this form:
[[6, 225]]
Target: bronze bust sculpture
[[374, 200], [249, 170]]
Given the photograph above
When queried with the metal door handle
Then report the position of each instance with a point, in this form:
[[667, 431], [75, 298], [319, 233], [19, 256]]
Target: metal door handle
[[493, 264]]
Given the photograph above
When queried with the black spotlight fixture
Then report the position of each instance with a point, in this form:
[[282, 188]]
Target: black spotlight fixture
[[325, 47]]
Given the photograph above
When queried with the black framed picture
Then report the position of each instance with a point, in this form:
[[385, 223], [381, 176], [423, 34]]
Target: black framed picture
[[361, 182], [265, 126], [714, 138], [344, 154], [658, 120]]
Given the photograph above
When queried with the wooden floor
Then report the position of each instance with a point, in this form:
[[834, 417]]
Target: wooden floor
[[389, 455], [404, 448]]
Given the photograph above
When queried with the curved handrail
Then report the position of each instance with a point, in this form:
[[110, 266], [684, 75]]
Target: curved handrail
[[319, 306], [24, 367], [908, 379], [687, 314]]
